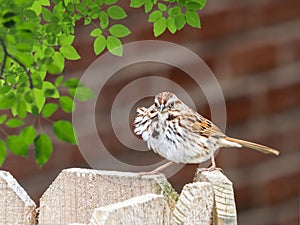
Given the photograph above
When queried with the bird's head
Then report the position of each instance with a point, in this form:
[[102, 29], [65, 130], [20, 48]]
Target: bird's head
[[166, 101]]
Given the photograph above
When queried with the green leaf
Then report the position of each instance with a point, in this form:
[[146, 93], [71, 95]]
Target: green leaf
[[180, 21], [116, 12], [25, 58], [203, 3], [99, 44], [43, 149], [36, 6], [114, 45], [23, 3], [58, 80], [110, 2], [136, 3], [104, 20], [49, 51], [50, 89], [80, 6], [49, 109], [2, 152], [192, 18], [159, 26], [47, 15], [87, 21], [45, 2], [28, 97], [17, 145], [72, 83], [69, 52], [42, 74], [154, 16], [67, 104], [148, 6], [4, 90], [119, 30], [175, 11], [96, 32], [34, 110], [21, 107], [39, 100], [171, 24], [3, 118], [37, 80], [28, 134], [162, 7], [82, 93], [64, 131], [181, 2], [65, 39], [13, 123], [193, 5], [8, 15], [57, 64], [39, 96], [49, 92]]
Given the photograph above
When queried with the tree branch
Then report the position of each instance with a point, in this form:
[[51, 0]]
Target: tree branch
[[4, 59], [6, 54]]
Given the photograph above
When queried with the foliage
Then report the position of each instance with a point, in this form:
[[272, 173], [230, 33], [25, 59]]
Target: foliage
[[36, 38]]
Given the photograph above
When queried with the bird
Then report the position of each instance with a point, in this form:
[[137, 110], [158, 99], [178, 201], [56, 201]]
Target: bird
[[181, 135]]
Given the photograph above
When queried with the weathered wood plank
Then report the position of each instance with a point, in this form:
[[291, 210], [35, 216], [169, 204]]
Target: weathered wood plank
[[150, 209], [75, 193], [195, 204], [16, 206], [225, 210]]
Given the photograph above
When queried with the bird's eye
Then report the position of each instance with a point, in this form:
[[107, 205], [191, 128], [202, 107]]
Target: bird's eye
[[171, 105], [156, 105]]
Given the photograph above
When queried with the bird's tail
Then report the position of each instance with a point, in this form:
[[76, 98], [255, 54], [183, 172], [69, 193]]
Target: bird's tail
[[254, 146]]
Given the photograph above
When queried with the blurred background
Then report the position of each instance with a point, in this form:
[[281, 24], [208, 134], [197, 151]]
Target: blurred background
[[253, 48]]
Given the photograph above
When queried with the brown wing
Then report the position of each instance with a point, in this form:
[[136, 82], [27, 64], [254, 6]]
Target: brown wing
[[206, 128]]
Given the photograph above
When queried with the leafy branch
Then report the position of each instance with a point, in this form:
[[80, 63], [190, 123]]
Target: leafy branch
[[37, 37], [7, 55]]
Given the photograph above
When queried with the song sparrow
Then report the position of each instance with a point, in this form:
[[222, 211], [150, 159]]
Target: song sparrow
[[181, 135]]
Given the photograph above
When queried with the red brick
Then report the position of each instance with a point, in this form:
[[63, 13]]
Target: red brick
[[277, 11], [286, 142], [282, 188], [26, 167], [290, 50], [247, 157], [292, 219], [220, 23], [283, 98], [252, 58], [238, 109], [243, 197], [296, 48], [223, 22]]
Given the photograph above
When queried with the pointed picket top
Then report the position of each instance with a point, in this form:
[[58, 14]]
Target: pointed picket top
[[15, 204], [225, 209]]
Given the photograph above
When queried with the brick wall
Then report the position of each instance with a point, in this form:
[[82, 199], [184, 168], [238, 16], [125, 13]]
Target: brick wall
[[253, 48]]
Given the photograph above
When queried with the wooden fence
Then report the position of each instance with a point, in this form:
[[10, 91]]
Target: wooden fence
[[85, 196]]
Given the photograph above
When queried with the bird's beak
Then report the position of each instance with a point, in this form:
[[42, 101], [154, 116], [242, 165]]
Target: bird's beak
[[162, 106]]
